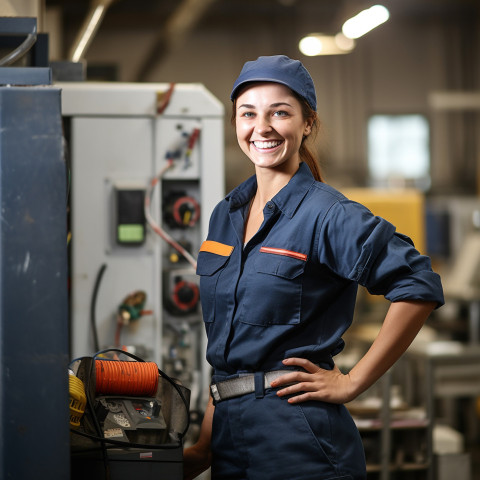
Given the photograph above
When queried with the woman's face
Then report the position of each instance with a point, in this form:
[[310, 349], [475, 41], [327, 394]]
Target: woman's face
[[270, 126]]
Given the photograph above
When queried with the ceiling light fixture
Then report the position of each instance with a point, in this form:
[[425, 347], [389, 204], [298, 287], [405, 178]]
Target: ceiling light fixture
[[319, 44], [97, 11], [365, 21], [88, 32]]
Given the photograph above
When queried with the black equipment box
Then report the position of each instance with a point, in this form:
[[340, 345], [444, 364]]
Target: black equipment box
[[128, 464]]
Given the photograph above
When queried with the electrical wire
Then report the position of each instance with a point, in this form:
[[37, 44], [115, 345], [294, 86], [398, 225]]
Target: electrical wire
[[21, 50], [93, 304], [96, 423], [164, 98], [155, 226], [122, 443]]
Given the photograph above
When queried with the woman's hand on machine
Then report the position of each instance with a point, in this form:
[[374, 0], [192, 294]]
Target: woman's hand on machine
[[196, 459], [314, 383]]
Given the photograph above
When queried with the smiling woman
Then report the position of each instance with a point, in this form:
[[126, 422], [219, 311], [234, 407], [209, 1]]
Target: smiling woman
[[300, 86], [279, 272]]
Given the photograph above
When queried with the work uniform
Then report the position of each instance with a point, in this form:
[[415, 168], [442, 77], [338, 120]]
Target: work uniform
[[290, 292]]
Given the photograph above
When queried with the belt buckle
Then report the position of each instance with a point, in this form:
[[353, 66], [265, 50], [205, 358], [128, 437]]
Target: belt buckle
[[215, 393]]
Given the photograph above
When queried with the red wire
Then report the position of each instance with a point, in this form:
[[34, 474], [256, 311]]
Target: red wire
[[166, 99], [155, 227]]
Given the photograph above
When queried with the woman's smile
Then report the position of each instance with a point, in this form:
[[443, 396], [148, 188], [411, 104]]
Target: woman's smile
[[266, 145]]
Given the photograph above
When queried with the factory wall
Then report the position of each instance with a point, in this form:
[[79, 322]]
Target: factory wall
[[392, 70]]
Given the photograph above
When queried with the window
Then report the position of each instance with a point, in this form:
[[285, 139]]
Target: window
[[399, 151]]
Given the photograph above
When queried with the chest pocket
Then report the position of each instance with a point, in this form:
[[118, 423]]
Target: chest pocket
[[212, 258], [275, 294]]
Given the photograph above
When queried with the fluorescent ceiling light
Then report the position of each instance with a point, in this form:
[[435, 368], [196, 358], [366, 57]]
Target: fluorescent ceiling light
[[89, 28], [365, 21], [319, 44]]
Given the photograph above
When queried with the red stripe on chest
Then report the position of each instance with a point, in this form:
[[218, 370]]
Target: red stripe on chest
[[286, 253]]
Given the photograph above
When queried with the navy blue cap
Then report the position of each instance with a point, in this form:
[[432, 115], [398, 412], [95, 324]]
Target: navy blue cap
[[278, 69]]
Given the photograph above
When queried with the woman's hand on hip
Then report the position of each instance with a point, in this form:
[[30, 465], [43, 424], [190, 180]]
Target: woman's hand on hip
[[314, 383]]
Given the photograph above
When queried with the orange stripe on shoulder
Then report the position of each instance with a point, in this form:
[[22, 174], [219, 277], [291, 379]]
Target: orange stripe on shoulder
[[284, 252], [216, 247]]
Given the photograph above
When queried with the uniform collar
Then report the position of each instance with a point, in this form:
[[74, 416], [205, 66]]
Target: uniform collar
[[287, 199]]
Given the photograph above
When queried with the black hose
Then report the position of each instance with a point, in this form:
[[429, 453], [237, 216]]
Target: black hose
[[93, 305], [21, 50]]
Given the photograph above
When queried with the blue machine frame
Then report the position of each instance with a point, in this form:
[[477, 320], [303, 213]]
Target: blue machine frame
[[34, 432]]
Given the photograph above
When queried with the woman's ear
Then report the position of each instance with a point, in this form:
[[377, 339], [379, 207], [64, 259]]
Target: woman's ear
[[308, 128]]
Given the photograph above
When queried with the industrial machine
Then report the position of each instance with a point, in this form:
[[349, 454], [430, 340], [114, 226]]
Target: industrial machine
[[146, 170], [146, 164], [33, 262]]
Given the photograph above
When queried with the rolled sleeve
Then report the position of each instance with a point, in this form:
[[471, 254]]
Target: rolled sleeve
[[351, 238], [366, 249], [400, 272]]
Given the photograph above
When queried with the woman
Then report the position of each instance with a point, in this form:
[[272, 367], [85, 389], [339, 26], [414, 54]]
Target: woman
[[279, 275]]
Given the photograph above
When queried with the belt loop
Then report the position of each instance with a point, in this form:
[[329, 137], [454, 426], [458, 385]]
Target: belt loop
[[259, 384]]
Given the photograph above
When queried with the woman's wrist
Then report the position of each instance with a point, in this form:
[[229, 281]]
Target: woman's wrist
[[356, 386]]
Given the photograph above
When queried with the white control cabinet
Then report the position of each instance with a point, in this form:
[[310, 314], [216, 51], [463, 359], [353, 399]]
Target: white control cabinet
[[119, 137]]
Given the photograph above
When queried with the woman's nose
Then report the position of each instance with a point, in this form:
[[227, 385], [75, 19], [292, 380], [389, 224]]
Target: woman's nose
[[262, 125]]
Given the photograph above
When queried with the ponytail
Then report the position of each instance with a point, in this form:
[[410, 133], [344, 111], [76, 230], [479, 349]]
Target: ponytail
[[307, 156]]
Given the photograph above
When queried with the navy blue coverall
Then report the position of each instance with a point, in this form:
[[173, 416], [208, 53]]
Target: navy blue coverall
[[290, 292]]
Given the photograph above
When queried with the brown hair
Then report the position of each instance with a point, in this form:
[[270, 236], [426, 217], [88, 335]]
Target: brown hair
[[306, 154]]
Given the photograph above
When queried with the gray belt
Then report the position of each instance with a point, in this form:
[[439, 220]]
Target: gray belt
[[235, 387]]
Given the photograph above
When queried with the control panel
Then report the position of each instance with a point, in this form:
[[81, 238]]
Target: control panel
[[146, 167]]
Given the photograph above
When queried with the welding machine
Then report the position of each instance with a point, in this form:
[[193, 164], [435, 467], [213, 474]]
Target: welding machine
[[134, 420]]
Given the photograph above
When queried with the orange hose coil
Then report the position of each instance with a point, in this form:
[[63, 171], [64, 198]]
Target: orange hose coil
[[126, 378]]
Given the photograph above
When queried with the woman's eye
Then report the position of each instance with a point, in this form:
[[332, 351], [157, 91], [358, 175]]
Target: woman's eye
[[281, 113], [247, 114]]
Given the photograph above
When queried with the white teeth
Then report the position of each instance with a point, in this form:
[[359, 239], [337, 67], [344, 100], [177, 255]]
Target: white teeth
[[270, 144]]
